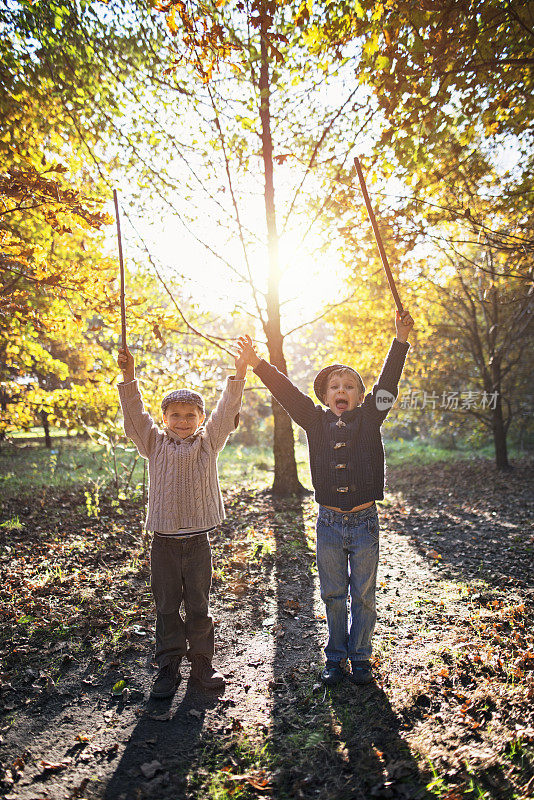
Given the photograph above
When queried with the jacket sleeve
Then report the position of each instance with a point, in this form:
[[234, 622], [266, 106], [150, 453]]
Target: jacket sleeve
[[299, 406], [138, 424], [379, 402], [224, 419]]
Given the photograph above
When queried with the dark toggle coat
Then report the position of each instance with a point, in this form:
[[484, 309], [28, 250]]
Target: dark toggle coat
[[346, 453]]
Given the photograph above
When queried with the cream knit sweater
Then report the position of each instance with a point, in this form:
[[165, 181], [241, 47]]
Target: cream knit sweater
[[184, 489]]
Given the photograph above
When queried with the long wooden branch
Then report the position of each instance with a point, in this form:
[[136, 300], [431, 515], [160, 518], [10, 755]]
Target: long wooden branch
[[380, 245], [121, 265], [494, 63]]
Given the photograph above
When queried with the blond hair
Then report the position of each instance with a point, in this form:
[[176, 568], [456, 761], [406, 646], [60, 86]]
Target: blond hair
[[346, 371]]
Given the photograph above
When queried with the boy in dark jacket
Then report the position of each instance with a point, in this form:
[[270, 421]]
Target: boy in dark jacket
[[347, 468]]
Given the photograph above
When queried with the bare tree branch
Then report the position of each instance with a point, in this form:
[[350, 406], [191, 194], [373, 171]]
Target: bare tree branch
[[214, 340], [327, 310], [236, 209]]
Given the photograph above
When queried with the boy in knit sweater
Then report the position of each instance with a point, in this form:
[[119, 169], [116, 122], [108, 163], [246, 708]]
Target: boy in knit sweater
[[347, 468], [184, 505]]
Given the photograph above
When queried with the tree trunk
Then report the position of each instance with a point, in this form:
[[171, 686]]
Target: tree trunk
[[286, 480], [498, 426], [499, 439], [3, 406], [46, 428]]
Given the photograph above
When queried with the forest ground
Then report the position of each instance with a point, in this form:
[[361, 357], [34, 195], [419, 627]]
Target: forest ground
[[450, 715]]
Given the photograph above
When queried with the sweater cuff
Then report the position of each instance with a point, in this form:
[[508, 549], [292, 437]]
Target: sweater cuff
[[235, 385], [401, 347], [128, 390]]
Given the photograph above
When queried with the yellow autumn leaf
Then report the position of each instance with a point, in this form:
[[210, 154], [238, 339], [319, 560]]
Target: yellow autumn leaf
[[371, 45], [171, 21]]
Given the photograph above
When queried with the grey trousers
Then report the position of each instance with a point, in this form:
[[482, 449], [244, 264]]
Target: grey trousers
[[181, 572]]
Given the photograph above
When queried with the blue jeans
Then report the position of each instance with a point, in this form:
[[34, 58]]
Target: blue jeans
[[347, 557]]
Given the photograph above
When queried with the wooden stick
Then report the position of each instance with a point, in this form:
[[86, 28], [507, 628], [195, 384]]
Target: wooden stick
[[378, 238], [121, 262]]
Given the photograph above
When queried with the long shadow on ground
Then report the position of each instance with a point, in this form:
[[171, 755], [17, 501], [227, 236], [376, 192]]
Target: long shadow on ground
[[344, 742], [276, 732], [162, 746]]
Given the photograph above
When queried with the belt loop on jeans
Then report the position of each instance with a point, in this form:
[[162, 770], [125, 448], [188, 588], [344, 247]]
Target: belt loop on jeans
[[326, 514]]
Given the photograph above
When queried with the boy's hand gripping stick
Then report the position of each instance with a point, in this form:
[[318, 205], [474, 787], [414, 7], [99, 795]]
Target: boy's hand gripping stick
[[378, 238], [121, 262]]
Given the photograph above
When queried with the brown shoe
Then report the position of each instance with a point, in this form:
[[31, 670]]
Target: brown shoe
[[167, 680], [203, 671]]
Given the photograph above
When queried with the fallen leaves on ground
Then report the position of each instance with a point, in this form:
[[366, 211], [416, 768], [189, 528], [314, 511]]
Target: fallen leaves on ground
[[454, 655]]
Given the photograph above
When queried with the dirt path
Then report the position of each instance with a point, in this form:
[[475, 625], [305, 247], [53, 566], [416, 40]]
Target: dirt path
[[450, 714]]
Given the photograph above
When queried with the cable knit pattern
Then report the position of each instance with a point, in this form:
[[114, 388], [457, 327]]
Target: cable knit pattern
[[346, 452], [183, 484]]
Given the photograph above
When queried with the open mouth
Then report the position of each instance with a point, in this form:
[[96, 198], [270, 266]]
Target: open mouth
[[342, 405]]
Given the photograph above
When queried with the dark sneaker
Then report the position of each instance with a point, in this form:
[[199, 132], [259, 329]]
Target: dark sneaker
[[167, 680], [203, 671], [361, 672], [332, 673]]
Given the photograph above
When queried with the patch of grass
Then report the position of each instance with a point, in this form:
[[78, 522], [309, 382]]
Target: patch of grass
[[346, 743], [236, 771], [255, 466], [13, 524], [504, 780], [37, 434], [28, 466], [437, 786], [70, 463], [80, 462], [425, 451], [262, 543]]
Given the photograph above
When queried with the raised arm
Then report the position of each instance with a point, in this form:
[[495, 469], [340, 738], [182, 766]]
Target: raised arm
[[381, 399], [138, 424], [299, 406], [224, 419]]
